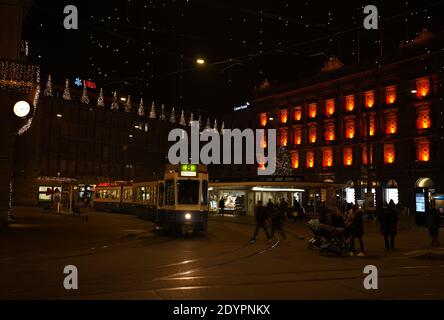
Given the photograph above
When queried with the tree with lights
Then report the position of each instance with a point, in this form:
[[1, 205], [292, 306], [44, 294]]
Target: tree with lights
[[283, 162], [153, 111], [100, 99], [84, 98], [115, 104], [208, 126], [182, 121], [128, 104], [191, 119], [200, 121], [162, 113], [215, 125], [222, 128], [173, 116], [66, 92], [48, 89], [141, 110]]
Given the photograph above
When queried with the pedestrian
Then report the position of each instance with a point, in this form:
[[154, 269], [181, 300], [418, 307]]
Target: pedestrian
[[388, 220], [221, 206], [356, 230], [433, 223], [260, 213], [277, 220]]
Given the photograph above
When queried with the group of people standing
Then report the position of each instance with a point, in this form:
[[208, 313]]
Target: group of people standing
[[273, 215]]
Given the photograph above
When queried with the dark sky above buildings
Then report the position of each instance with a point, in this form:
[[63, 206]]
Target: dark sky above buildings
[[139, 47]]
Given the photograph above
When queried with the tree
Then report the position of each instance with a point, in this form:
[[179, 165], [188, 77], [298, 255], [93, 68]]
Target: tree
[[100, 99], [84, 98], [128, 104], [153, 111], [141, 110], [208, 126], [48, 90], [182, 121], [173, 116], [66, 92], [115, 104], [191, 119], [162, 113]]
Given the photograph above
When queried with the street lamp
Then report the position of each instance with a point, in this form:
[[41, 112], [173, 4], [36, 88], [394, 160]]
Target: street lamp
[[200, 61], [21, 109]]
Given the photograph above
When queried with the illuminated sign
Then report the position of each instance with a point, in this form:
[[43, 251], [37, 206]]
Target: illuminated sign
[[188, 170], [89, 84], [243, 107]]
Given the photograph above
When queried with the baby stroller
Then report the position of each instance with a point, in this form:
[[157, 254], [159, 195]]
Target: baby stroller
[[327, 239]]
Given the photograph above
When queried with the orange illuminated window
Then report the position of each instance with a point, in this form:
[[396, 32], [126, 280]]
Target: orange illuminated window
[[297, 135], [330, 107], [370, 126], [348, 156], [327, 157], [390, 95], [312, 134], [350, 128], [312, 110], [423, 120], [330, 132], [389, 153], [264, 119], [369, 99], [310, 159], [423, 151], [297, 114], [422, 87], [350, 103], [391, 124], [284, 116], [284, 137], [364, 154], [295, 160], [264, 139]]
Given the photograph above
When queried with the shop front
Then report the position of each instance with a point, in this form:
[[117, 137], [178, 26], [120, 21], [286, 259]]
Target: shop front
[[56, 193]]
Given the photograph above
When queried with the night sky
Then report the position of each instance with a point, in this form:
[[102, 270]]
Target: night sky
[[135, 46]]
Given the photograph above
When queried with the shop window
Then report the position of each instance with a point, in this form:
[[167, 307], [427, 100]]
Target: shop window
[[423, 151], [295, 160], [297, 135], [297, 114], [365, 155], [350, 103], [327, 157], [391, 123], [330, 107], [350, 128], [390, 95], [330, 132], [284, 116], [312, 134], [312, 110], [310, 159], [369, 98], [422, 87], [348, 156], [263, 119], [423, 120], [284, 137], [391, 192], [389, 153]]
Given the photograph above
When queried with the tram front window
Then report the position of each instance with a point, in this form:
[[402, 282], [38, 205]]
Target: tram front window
[[188, 191]]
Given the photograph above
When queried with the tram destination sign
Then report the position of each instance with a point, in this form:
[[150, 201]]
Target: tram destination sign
[[188, 170]]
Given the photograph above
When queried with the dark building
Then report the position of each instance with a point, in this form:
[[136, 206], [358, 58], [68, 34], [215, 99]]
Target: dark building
[[366, 126]]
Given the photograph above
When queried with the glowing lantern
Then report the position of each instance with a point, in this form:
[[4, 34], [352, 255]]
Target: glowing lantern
[[284, 116], [284, 137], [364, 155], [327, 157], [348, 156], [389, 153], [391, 124], [330, 132], [330, 107], [295, 160], [312, 110], [422, 87], [423, 121], [264, 119], [297, 136], [350, 103], [312, 134], [390, 95], [310, 159], [423, 151], [297, 114], [369, 99], [350, 128]]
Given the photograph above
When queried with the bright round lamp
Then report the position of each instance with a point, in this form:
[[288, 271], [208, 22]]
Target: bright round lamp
[[21, 109]]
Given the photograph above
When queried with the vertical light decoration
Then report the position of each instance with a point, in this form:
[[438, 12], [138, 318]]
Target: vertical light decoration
[[284, 137], [389, 153], [348, 156], [263, 119], [423, 120], [350, 128], [390, 95], [312, 110], [391, 123], [350, 103], [295, 160], [364, 154], [297, 135], [312, 133], [330, 132], [297, 114], [327, 157], [369, 98], [330, 107], [284, 116], [423, 151], [310, 159], [422, 87]]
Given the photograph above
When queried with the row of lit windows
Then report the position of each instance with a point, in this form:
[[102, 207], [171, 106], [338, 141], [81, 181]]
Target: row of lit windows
[[422, 155], [423, 121], [422, 90]]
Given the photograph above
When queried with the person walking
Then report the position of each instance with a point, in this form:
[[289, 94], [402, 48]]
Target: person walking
[[222, 206], [388, 220], [356, 230], [277, 220], [260, 213], [433, 223]]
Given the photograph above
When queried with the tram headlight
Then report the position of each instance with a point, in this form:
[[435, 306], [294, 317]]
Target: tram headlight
[[188, 216]]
